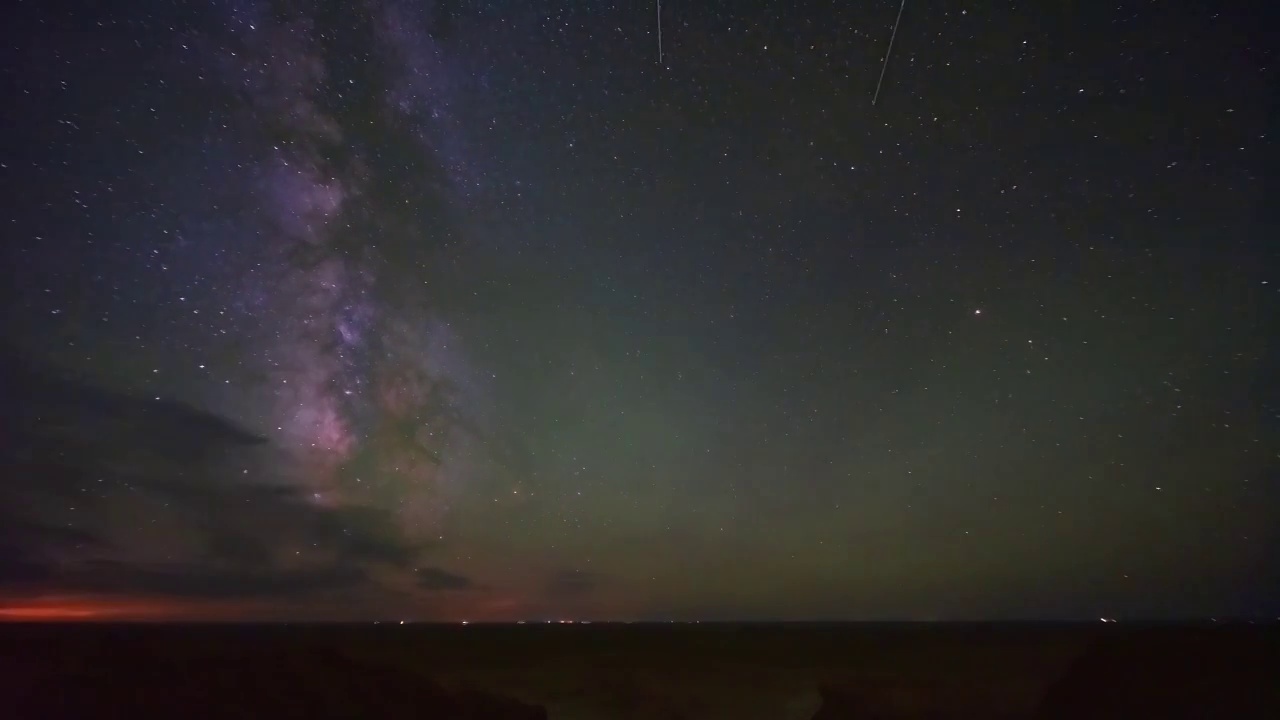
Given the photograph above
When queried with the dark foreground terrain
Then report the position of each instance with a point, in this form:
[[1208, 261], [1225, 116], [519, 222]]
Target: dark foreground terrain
[[656, 672]]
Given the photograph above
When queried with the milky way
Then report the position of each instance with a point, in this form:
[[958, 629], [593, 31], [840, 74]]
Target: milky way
[[356, 392]]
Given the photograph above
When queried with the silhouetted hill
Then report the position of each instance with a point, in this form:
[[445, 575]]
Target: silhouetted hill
[[610, 672]]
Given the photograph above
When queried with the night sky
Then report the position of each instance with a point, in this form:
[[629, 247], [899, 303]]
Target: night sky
[[392, 310]]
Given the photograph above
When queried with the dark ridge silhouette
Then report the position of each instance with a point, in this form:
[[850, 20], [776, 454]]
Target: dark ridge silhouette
[[1194, 674], [649, 672], [317, 683]]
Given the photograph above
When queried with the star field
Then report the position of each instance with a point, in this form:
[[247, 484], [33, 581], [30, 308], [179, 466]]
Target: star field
[[476, 310]]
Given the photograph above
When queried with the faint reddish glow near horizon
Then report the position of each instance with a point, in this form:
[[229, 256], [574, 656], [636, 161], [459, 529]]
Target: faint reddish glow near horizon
[[47, 613], [70, 609]]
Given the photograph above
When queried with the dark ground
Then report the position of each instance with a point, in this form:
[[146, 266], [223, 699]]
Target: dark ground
[[641, 671]]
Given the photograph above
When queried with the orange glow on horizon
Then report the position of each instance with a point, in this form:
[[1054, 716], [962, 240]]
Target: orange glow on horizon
[[61, 608], [46, 613]]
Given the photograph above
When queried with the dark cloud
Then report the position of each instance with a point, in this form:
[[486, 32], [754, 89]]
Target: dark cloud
[[573, 583], [28, 549], [43, 403], [195, 580], [19, 572], [186, 581], [367, 533], [238, 550], [16, 530], [83, 467], [432, 578]]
